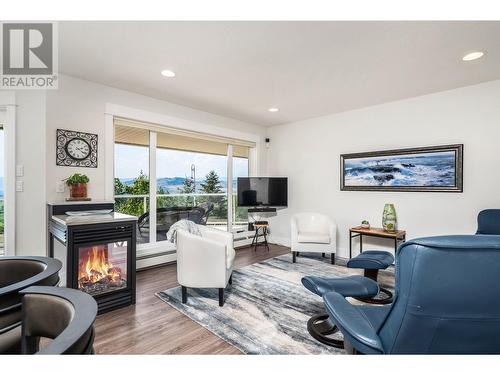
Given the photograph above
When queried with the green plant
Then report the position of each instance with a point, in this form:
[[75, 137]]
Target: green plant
[[365, 222], [76, 178]]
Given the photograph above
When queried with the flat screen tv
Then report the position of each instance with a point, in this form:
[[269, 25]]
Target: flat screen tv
[[262, 192]]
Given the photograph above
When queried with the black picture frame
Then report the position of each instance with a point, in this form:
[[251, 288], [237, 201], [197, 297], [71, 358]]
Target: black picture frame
[[62, 156], [458, 170]]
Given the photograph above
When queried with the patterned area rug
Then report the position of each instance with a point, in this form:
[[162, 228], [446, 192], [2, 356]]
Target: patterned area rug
[[266, 309]]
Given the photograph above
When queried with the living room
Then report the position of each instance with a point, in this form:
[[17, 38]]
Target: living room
[[250, 187]]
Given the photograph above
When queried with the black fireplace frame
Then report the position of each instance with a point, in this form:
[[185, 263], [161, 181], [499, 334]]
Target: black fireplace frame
[[78, 237], [74, 237]]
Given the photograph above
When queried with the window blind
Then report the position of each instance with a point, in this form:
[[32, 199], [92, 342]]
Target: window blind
[[133, 133]]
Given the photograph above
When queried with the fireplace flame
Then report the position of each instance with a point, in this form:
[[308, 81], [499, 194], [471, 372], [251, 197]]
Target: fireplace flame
[[97, 269]]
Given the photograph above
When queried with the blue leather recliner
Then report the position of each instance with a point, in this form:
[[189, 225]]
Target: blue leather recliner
[[488, 222], [447, 300]]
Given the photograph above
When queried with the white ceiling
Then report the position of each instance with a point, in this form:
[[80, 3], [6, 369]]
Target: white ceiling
[[306, 69]]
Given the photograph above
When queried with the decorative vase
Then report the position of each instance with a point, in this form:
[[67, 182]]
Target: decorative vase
[[78, 191], [389, 219]]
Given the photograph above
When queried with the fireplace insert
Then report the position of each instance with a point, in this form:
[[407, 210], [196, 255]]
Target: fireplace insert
[[100, 254]]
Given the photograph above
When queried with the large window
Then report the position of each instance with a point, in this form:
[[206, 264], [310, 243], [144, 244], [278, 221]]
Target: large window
[[132, 178], [191, 179]]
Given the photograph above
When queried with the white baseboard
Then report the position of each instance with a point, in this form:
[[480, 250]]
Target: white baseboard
[[283, 241]]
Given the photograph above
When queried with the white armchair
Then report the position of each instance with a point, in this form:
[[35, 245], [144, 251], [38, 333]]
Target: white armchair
[[206, 261], [313, 232]]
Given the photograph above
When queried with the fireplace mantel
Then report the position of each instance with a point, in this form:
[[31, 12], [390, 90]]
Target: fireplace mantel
[[113, 217]]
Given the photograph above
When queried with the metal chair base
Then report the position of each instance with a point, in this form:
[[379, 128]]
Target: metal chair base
[[320, 326], [378, 301]]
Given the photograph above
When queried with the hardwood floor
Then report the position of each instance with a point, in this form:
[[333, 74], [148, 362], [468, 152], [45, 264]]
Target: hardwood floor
[[153, 327]]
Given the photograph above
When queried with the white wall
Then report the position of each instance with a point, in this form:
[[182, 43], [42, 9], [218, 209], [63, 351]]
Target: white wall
[[30, 152], [308, 153], [80, 105]]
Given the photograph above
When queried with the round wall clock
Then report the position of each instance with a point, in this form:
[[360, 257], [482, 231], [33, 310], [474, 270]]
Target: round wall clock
[[76, 149]]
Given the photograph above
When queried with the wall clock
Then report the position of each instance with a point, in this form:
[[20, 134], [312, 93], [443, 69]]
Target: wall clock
[[76, 149]]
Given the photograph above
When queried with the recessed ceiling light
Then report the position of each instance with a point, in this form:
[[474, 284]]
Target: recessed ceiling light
[[273, 109], [168, 73], [473, 56]]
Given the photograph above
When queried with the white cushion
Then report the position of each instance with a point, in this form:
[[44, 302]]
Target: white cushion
[[311, 237]]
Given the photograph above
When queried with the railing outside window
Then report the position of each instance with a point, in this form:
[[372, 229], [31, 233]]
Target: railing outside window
[[218, 216]]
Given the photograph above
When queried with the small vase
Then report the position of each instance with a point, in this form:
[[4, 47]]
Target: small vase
[[389, 219], [78, 191]]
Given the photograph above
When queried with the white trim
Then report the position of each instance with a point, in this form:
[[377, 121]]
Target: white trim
[[176, 122], [253, 161], [152, 187], [109, 157], [7, 104], [229, 187], [283, 241]]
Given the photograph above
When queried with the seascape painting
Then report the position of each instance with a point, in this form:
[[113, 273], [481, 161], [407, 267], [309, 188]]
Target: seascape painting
[[423, 169]]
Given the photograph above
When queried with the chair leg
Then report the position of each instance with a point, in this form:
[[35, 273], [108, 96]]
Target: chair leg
[[231, 279], [184, 294], [294, 257], [323, 255], [221, 297], [332, 258], [373, 274]]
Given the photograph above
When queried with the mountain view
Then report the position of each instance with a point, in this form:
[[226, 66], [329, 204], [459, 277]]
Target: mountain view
[[173, 184]]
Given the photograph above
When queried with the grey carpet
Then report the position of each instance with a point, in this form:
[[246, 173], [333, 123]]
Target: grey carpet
[[266, 309]]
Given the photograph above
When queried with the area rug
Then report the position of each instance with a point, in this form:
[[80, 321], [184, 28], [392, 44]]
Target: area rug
[[266, 309]]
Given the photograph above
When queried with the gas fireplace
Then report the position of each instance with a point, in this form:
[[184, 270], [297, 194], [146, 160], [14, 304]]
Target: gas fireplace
[[102, 268], [100, 253]]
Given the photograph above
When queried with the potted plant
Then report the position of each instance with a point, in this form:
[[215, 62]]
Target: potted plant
[[77, 185], [365, 224]]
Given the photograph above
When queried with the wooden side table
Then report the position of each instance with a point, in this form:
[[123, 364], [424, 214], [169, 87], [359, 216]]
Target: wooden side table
[[397, 236], [255, 241]]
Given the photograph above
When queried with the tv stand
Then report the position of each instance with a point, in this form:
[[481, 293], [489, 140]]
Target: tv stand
[[261, 209]]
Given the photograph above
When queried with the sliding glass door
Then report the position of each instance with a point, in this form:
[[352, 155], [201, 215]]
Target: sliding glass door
[[187, 176], [187, 179]]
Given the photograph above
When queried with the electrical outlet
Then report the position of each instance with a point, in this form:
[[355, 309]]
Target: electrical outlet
[[60, 187], [19, 185]]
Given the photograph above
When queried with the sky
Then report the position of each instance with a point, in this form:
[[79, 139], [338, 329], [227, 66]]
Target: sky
[[130, 160]]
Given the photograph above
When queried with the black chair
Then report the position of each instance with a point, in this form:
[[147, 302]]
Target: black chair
[[64, 315], [167, 216], [16, 274]]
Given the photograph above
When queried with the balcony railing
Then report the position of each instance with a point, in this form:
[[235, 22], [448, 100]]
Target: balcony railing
[[217, 217]]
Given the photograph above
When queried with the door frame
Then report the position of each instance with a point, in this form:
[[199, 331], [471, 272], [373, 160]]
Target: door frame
[[8, 106]]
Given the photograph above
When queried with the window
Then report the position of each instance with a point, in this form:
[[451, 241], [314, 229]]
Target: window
[[190, 180], [132, 177]]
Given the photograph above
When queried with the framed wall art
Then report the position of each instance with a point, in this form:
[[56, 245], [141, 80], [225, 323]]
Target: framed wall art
[[437, 168]]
